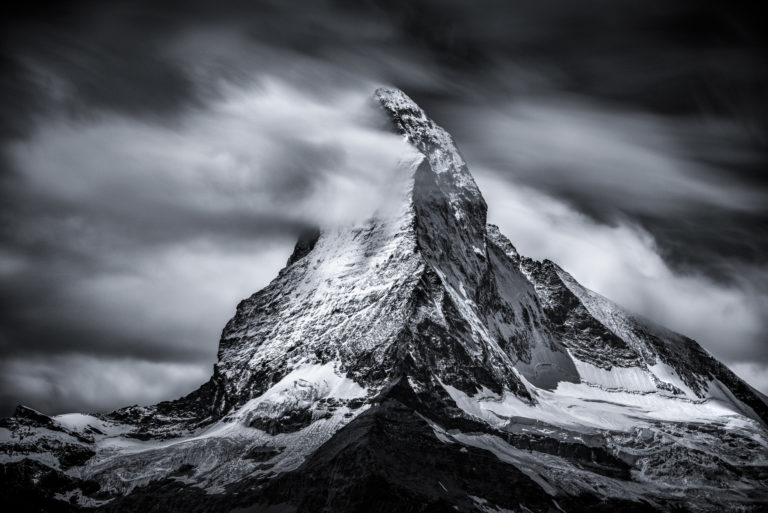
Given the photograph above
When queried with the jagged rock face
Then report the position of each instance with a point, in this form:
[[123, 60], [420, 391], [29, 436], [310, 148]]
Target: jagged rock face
[[417, 362]]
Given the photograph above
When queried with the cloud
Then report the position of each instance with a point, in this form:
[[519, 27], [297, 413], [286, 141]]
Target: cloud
[[612, 159], [756, 374], [246, 154], [66, 383]]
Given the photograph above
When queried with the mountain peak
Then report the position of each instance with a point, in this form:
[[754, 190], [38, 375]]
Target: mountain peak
[[426, 136], [395, 100], [419, 337], [450, 212]]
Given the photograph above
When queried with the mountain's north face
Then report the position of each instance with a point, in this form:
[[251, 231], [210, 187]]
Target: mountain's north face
[[417, 363]]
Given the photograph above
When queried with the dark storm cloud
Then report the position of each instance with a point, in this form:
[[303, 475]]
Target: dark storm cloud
[[80, 55], [152, 152]]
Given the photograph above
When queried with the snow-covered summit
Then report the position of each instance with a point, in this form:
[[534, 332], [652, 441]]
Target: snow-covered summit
[[428, 137]]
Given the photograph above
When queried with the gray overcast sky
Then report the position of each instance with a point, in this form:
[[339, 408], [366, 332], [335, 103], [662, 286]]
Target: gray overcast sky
[[159, 159]]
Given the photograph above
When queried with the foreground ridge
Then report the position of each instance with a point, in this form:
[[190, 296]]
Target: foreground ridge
[[417, 362]]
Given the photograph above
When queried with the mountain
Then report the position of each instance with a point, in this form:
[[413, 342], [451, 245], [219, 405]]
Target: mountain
[[416, 362]]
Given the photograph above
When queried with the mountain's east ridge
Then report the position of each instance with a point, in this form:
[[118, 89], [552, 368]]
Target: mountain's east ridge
[[418, 362]]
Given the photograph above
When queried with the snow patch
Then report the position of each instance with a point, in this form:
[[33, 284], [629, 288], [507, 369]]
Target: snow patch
[[631, 379], [303, 386], [581, 407], [669, 375]]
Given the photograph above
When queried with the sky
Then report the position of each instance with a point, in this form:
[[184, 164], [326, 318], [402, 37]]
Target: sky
[[159, 159]]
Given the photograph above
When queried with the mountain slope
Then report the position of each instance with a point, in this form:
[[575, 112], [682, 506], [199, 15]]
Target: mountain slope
[[417, 362]]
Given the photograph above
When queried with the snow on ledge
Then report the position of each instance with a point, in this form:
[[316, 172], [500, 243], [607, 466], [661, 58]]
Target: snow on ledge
[[581, 407]]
